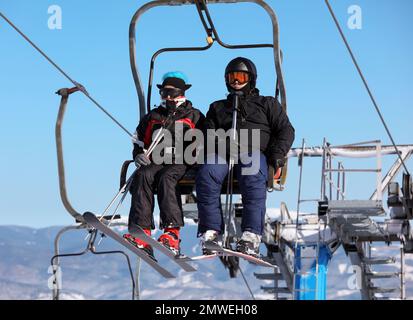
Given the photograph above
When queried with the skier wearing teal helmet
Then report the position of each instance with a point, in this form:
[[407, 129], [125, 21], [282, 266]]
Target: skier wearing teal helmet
[[172, 90], [174, 108]]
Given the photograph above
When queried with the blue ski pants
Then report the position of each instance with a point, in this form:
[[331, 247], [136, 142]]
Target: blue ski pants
[[253, 188]]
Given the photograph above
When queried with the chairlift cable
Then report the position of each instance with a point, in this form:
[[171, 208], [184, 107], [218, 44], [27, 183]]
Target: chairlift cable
[[366, 84], [76, 84], [246, 283]]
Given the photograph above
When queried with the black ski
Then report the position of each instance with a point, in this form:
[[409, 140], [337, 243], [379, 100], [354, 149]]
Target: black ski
[[93, 221], [180, 260], [228, 252]]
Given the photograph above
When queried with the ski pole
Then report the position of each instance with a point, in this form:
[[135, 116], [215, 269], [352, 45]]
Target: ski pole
[[126, 186], [229, 195]]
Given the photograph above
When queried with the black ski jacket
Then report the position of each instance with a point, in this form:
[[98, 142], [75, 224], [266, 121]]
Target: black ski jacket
[[255, 112], [186, 114]]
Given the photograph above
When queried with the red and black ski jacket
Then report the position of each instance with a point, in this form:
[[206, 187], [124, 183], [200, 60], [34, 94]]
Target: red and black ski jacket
[[185, 114]]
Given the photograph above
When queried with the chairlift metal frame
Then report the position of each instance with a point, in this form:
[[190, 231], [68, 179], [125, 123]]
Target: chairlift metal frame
[[212, 37], [144, 104]]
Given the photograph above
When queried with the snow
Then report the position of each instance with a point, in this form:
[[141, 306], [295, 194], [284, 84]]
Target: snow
[[63, 296]]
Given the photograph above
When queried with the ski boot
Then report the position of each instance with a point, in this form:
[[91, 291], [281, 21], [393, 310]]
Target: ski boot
[[139, 243], [209, 236], [249, 244], [170, 239]]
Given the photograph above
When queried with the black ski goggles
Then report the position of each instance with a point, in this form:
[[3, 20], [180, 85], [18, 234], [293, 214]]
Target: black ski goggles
[[172, 93]]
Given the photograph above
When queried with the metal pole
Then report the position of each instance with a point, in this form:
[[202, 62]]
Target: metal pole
[[338, 181], [323, 168], [344, 183], [402, 275], [379, 168], [301, 164], [64, 93], [317, 267], [55, 266], [330, 175], [276, 271], [137, 279]]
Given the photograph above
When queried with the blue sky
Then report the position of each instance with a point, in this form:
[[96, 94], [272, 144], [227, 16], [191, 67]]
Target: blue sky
[[325, 94]]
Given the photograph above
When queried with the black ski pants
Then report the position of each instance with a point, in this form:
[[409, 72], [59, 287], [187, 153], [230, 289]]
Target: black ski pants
[[163, 178]]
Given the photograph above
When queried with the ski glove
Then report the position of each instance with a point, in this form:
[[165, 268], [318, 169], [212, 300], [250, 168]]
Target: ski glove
[[142, 160], [278, 164]]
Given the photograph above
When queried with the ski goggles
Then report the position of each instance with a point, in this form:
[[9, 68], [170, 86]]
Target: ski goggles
[[240, 76], [172, 93]]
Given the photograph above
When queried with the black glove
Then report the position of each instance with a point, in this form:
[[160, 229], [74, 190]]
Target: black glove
[[142, 160]]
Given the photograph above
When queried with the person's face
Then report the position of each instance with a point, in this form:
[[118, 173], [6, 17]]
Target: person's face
[[238, 86]]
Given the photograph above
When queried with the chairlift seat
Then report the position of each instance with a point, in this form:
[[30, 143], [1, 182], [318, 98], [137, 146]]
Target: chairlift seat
[[187, 183]]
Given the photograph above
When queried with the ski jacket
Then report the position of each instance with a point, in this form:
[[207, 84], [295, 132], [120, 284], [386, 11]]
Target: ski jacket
[[255, 112], [186, 114]]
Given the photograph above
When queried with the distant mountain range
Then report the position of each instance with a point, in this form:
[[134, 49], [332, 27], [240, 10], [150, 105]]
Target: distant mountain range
[[25, 255]]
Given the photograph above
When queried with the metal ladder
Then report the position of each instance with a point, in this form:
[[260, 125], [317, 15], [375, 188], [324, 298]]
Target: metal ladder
[[370, 275], [280, 291], [277, 290]]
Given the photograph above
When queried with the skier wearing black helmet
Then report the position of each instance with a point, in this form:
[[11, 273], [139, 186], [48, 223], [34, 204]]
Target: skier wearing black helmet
[[276, 136]]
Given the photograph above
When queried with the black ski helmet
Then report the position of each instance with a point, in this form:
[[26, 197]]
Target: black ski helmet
[[245, 65]]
